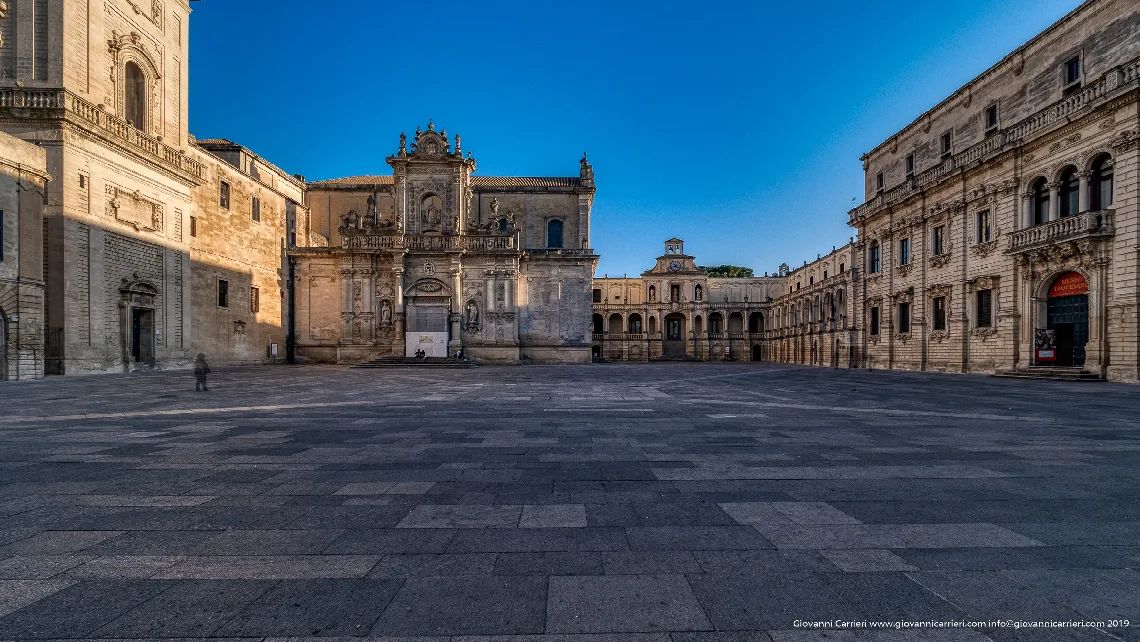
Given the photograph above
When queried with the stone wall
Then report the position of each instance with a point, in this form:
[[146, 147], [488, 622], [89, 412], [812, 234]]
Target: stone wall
[[23, 173]]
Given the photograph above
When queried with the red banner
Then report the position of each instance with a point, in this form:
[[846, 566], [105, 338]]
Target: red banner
[[1068, 284]]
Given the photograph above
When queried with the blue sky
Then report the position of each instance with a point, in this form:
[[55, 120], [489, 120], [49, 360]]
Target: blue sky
[[735, 125]]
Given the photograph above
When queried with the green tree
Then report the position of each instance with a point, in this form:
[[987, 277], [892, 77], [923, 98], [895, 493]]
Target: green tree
[[727, 270]]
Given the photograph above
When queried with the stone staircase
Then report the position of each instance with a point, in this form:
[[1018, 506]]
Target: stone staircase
[[1051, 373], [412, 362]]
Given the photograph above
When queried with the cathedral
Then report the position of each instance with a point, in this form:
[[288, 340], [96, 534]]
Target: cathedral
[[434, 260]]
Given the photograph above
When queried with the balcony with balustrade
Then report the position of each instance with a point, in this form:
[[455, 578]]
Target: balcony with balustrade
[[62, 105], [1086, 225]]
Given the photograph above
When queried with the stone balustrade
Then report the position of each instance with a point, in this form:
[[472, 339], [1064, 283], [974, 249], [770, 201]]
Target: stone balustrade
[[98, 120], [1071, 228]]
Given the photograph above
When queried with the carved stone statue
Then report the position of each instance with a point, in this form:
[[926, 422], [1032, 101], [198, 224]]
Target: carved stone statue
[[403, 144], [472, 314], [3, 14], [369, 220], [349, 222], [385, 312], [494, 208], [510, 220], [431, 216]]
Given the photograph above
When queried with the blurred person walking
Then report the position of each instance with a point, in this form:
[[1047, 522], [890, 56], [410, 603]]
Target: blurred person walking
[[201, 369]]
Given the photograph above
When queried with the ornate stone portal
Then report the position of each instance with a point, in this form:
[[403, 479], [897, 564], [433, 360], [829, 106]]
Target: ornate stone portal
[[441, 260]]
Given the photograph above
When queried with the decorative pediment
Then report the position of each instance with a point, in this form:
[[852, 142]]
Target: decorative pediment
[[986, 282], [940, 290], [430, 144]]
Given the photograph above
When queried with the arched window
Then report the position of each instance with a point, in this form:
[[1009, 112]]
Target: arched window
[[635, 324], [1070, 192], [135, 96], [554, 234], [1040, 201], [1100, 183]]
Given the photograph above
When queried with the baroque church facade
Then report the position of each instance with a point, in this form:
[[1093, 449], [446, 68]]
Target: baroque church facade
[[435, 259]]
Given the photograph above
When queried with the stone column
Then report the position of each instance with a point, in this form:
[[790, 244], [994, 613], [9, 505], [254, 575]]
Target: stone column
[[1084, 194], [1054, 201], [455, 341]]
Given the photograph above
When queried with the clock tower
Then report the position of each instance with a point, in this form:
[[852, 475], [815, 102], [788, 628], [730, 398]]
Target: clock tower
[[675, 261]]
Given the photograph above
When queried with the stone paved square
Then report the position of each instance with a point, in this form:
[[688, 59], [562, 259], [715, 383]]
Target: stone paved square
[[634, 503]]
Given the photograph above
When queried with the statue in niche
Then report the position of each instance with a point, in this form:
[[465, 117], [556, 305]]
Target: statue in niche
[[385, 312], [431, 212], [472, 314]]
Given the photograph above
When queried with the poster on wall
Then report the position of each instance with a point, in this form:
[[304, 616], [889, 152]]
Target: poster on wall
[[1046, 345]]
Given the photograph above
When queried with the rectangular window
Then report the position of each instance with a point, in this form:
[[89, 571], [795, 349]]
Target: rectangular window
[[904, 318], [991, 118], [937, 239], [985, 308], [879, 181], [811, 280], [82, 182], [875, 321], [254, 300], [904, 252], [223, 293], [1072, 71], [255, 209], [983, 232], [597, 295], [910, 165], [841, 266], [947, 143], [193, 226], [875, 258], [825, 275], [939, 312], [224, 195]]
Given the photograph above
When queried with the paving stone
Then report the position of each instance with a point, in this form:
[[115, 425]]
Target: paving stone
[[987, 517], [77, 610], [867, 560], [322, 608], [745, 602], [695, 538], [39, 567], [428, 516], [649, 563], [549, 563], [16, 594], [435, 565], [466, 606], [623, 603], [894, 536], [57, 542], [192, 608], [553, 516], [236, 567]]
